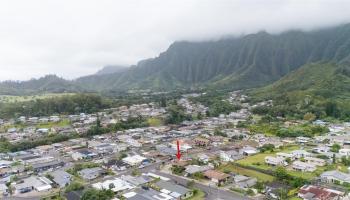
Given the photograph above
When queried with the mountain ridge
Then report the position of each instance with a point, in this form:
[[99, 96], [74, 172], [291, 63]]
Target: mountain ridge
[[250, 61]]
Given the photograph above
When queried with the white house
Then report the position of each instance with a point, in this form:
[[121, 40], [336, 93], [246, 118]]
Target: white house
[[39, 184], [275, 161], [285, 155], [115, 185], [344, 152], [302, 166], [300, 153], [315, 161], [134, 160], [335, 176]]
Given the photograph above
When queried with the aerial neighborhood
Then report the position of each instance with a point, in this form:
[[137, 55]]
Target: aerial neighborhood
[[232, 155]]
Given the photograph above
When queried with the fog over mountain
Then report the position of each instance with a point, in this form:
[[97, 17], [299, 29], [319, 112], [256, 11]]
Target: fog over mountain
[[75, 38]]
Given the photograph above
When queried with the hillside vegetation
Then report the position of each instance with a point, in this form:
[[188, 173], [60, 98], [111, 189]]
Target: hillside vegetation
[[320, 88], [249, 61]]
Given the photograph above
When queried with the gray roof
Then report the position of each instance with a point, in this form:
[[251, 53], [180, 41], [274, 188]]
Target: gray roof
[[191, 169], [337, 175], [145, 195], [140, 180], [48, 164], [172, 187], [61, 177]]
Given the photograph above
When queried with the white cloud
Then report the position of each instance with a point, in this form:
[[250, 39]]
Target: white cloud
[[75, 38]]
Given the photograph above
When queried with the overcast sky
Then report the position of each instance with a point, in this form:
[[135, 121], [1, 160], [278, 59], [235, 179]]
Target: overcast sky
[[72, 38]]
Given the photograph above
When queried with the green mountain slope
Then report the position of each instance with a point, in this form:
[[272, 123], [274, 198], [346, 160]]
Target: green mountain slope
[[235, 63], [46, 84], [322, 89], [322, 80], [249, 61]]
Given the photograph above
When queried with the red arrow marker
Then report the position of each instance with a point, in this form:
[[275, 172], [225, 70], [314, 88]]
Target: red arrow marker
[[178, 155]]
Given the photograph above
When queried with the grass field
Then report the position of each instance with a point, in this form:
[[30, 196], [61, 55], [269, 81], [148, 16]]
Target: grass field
[[13, 99], [200, 195], [258, 161], [260, 158], [247, 172], [61, 123]]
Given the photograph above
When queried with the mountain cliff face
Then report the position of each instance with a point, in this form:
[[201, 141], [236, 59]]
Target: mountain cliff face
[[234, 63], [249, 61], [111, 69]]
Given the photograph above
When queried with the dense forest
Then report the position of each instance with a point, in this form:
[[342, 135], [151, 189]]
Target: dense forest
[[321, 89], [69, 104]]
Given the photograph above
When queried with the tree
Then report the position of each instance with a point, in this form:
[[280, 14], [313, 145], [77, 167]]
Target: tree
[[178, 170], [335, 148], [163, 102], [281, 173], [74, 186], [111, 186], [176, 115], [309, 116], [199, 116], [93, 194]]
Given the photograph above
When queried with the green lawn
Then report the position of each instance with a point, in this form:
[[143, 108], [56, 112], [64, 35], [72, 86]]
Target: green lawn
[[260, 158], [13, 99], [247, 172], [258, 161], [61, 123], [200, 195]]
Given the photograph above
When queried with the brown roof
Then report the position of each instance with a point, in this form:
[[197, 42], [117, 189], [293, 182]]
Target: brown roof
[[181, 163], [216, 175], [318, 192], [199, 139]]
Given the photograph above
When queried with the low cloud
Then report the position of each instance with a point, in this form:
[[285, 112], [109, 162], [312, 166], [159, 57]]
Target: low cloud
[[76, 38]]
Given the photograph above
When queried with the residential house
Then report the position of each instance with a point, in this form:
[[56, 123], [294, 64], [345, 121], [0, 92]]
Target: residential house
[[335, 177], [203, 157], [302, 166], [344, 152], [244, 181], [134, 160], [61, 178], [91, 173], [203, 142], [191, 169], [275, 161], [4, 191], [228, 156], [5, 164], [38, 167], [115, 164], [315, 161], [300, 154], [248, 151], [146, 194], [302, 140], [116, 185], [83, 154], [311, 192], [38, 184], [138, 180], [285, 156], [321, 149], [174, 190], [216, 176]]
